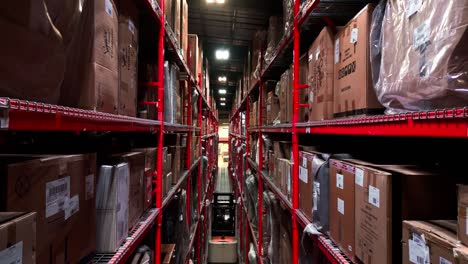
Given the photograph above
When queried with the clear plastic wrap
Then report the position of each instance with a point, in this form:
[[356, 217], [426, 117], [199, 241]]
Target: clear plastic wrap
[[252, 254], [288, 15], [274, 218], [33, 52], [267, 222], [275, 32], [258, 42], [171, 93], [424, 61]]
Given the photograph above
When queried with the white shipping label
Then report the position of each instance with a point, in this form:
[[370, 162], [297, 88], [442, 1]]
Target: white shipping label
[[339, 181], [71, 206], [418, 252], [131, 26], [317, 53], [421, 35], [413, 6], [359, 177], [444, 261], [304, 162], [89, 188], [316, 195], [56, 192], [311, 57], [13, 254], [337, 51], [374, 196], [109, 7], [288, 182], [354, 36], [340, 206], [303, 174]]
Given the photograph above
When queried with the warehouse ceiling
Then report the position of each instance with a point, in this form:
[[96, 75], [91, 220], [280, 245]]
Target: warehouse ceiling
[[232, 25]]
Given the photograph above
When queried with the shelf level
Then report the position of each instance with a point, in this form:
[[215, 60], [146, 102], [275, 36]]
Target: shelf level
[[449, 123], [21, 115], [132, 242]]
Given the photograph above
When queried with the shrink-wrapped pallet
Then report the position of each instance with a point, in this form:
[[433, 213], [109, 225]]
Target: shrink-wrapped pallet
[[424, 61]]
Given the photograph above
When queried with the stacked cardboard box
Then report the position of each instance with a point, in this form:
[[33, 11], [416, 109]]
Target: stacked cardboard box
[[285, 96], [194, 55], [91, 74], [150, 168], [366, 197], [128, 57], [60, 189], [320, 77], [112, 195], [184, 28], [272, 107], [353, 89], [18, 237]]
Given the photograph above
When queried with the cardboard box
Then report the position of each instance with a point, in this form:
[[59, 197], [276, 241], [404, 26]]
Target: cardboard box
[[385, 196], [60, 189], [320, 76], [462, 213], [273, 107], [184, 29], [342, 206], [176, 16], [137, 184], [167, 253], [112, 207], [461, 255], [194, 55], [176, 162], [128, 58], [18, 237], [306, 183], [285, 97], [425, 242], [353, 89], [91, 77]]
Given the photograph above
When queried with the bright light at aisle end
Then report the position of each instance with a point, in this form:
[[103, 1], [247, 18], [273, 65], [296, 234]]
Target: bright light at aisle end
[[222, 99], [215, 1], [222, 79], [222, 104], [222, 91], [222, 54]]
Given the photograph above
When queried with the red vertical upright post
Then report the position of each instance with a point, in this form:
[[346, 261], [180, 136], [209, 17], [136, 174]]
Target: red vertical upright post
[[188, 152], [295, 140], [247, 165], [159, 165], [260, 165], [200, 166]]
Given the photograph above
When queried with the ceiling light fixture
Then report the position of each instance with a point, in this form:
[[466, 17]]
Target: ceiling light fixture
[[222, 91], [222, 79], [222, 99], [222, 54], [222, 104], [215, 1]]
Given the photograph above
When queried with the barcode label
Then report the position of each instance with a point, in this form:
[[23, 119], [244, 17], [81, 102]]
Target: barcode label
[[444, 261], [337, 51], [359, 177], [418, 252], [56, 192], [339, 181], [13, 254], [109, 7], [303, 174], [71, 206], [340, 206], [374, 196]]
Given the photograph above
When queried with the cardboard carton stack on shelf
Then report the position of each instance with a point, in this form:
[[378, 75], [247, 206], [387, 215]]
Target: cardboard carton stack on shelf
[[61, 191], [19, 233]]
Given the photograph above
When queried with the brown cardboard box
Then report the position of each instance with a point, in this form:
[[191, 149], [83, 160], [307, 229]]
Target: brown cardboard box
[[137, 185], [128, 57], [391, 187], [461, 255], [194, 55], [60, 189], [91, 76], [176, 16], [306, 182], [184, 28], [320, 76], [353, 90], [425, 242], [342, 206], [176, 162], [18, 237], [167, 253], [462, 213], [373, 215]]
